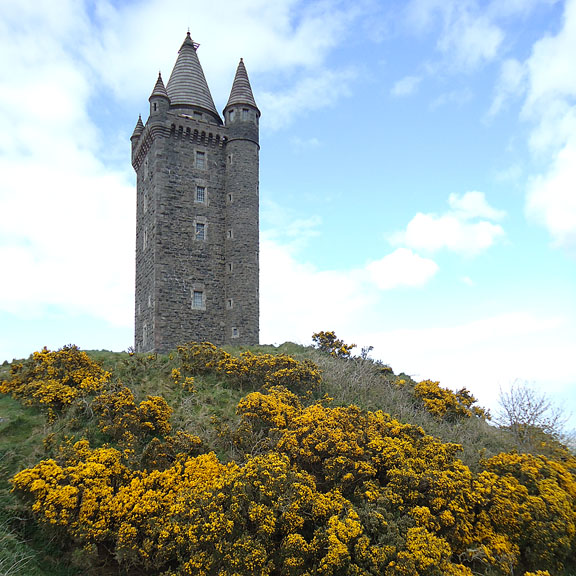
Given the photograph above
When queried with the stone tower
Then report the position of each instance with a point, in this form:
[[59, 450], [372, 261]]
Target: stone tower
[[197, 212]]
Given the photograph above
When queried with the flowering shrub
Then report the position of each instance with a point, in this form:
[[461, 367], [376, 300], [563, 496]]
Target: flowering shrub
[[275, 409], [200, 357], [266, 370], [448, 405], [54, 380], [249, 369], [122, 419], [161, 453], [543, 495], [327, 342]]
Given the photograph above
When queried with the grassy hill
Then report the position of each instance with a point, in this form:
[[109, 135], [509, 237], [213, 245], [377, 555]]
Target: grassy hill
[[310, 461]]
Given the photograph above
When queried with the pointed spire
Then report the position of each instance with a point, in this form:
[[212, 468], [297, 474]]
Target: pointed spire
[[241, 92], [159, 88], [187, 85], [138, 129]]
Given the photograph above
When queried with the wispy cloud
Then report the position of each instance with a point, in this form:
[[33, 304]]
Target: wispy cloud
[[309, 93], [406, 86], [468, 37]]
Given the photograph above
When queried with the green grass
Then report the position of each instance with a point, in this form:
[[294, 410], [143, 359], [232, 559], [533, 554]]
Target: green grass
[[23, 549]]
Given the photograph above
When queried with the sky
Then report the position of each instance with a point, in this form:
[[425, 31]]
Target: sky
[[417, 175]]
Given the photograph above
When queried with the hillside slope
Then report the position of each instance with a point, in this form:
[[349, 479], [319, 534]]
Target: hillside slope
[[272, 460]]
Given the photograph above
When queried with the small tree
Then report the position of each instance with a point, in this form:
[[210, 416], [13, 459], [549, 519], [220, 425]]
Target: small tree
[[530, 416]]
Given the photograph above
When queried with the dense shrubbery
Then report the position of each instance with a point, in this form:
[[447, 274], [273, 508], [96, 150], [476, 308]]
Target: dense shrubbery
[[333, 490]]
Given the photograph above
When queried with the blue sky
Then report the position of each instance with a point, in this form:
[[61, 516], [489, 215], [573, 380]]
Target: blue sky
[[418, 174]]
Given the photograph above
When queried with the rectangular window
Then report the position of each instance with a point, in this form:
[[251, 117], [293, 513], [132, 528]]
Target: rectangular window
[[145, 240], [200, 231], [200, 194], [197, 115], [201, 160], [198, 299], [231, 115], [235, 333], [230, 267], [230, 234], [230, 303], [245, 114]]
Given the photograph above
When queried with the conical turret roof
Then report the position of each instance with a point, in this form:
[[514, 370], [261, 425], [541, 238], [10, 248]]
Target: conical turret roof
[[159, 88], [187, 85], [241, 92], [139, 128]]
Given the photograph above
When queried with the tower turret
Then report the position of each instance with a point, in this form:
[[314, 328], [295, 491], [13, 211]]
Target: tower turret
[[159, 99], [242, 228], [138, 129], [241, 113]]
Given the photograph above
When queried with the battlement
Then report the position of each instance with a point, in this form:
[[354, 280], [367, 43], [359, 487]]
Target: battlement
[[181, 131]]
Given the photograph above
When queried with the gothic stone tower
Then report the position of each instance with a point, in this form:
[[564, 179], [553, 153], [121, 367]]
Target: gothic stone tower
[[197, 212]]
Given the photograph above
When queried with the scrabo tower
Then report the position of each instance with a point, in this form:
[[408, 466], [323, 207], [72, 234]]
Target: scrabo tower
[[197, 212]]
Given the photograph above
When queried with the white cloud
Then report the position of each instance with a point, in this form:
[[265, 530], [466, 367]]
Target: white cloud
[[473, 205], [551, 199], [401, 268], [552, 67], [550, 106], [67, 231], [457, 230], [298, 299], [406, 86], [469, 37]]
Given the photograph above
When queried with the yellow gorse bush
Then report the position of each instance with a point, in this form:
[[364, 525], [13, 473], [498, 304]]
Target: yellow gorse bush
[[249, 370], [123, 419], [326, 341], [54, 379], [448, 405]]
